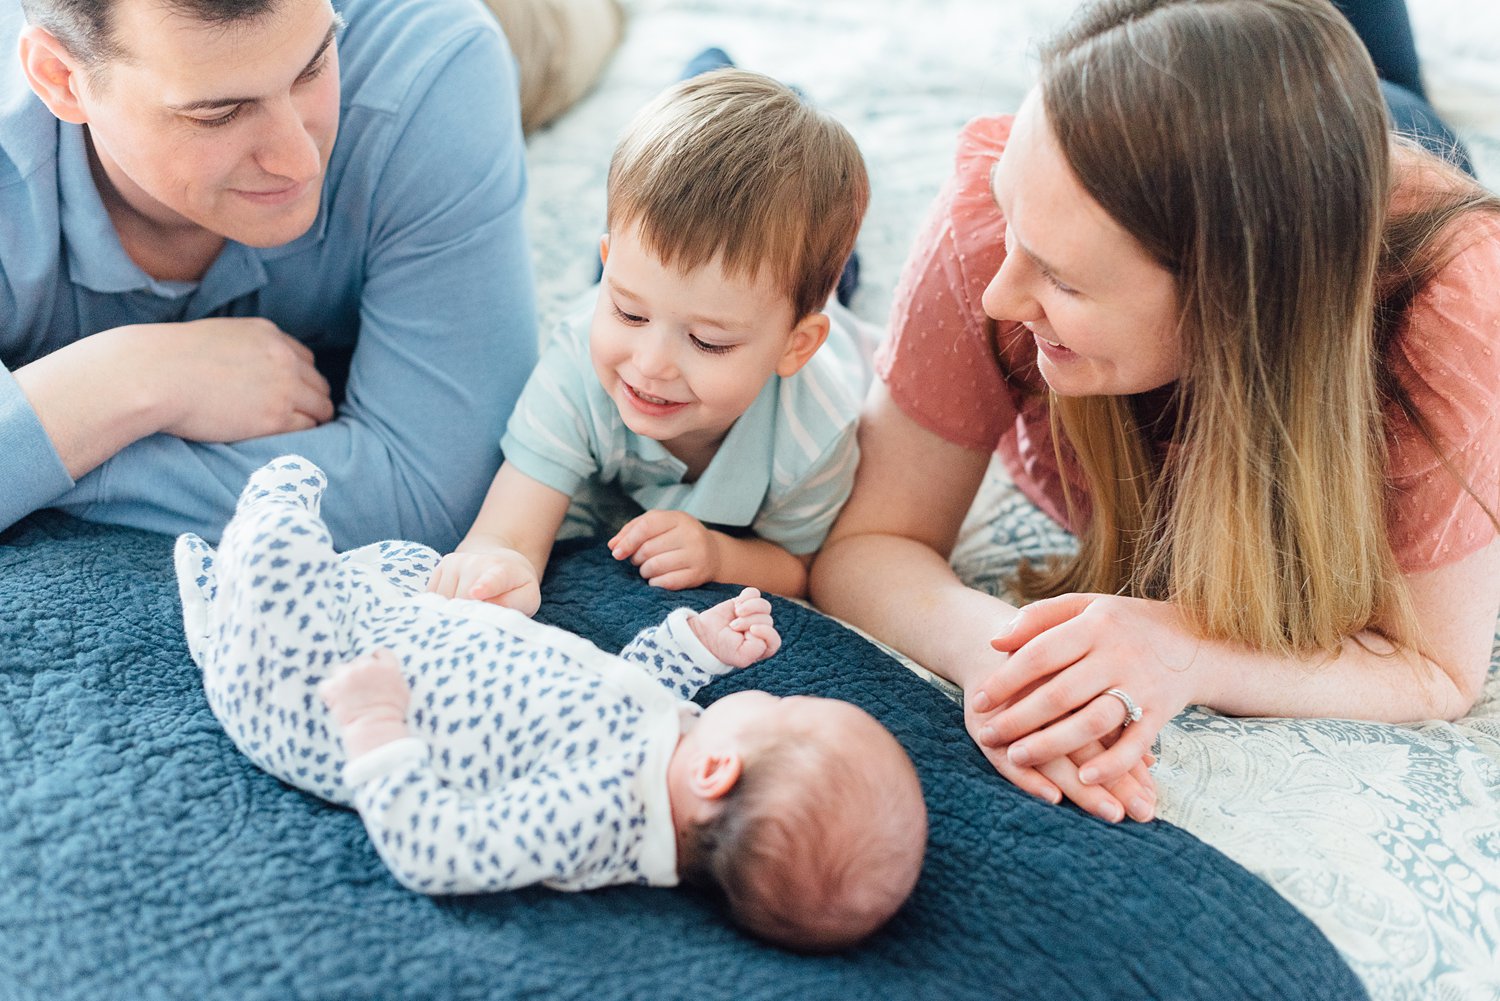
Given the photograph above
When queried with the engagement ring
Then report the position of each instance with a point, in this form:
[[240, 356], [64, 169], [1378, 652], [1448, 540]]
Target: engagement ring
[[1132, 711]]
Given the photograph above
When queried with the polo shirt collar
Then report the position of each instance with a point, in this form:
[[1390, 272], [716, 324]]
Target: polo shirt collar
[[734, 485], [96, 258]]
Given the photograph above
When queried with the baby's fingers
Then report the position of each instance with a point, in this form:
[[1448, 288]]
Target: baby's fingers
[[744, 623], [768, 635], [752, 610]]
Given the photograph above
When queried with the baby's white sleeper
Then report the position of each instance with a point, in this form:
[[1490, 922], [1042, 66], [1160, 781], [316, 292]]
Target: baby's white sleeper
[[535, 756]]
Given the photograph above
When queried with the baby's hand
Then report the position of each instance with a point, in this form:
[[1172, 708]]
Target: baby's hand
[[504, 578], [738, 631], [672, 549], [368, 698]]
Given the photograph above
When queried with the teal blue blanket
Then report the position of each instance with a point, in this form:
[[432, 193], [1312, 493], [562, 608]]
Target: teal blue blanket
[[142, 857]]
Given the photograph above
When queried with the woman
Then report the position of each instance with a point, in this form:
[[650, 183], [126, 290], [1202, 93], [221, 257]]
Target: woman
[[1244, 343]]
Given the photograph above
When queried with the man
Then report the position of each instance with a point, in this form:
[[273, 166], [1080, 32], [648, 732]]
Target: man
[[238, 228]]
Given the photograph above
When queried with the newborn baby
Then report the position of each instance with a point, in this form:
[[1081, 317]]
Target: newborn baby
[[486, 751]]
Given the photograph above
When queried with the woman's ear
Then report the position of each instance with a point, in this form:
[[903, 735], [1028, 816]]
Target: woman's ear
[[807, 336], [714, 774], [54, 74]]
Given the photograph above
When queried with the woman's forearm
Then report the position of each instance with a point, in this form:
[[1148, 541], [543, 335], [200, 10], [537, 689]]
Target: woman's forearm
[[906, 595], [1368, 680]]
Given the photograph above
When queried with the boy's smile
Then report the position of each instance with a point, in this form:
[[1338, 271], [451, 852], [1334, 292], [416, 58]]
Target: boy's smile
[[653, 406], [683, 355]]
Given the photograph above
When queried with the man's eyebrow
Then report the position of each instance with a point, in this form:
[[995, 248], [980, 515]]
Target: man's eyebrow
[[224, 102]]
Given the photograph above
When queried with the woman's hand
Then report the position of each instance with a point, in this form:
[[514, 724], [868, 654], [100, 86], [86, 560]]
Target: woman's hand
[[1050, 699], [1132, 794]]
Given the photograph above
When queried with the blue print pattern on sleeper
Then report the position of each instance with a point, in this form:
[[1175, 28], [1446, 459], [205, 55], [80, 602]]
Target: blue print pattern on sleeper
[[531, 746]]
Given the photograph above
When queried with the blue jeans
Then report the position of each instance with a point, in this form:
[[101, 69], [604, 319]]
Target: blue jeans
[[1385, 28]]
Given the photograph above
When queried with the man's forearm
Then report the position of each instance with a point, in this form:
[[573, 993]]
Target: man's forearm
[[89, 401]]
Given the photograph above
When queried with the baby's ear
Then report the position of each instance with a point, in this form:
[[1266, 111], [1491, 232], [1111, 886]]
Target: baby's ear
[[715, 773], [807, 336], [603, 250]]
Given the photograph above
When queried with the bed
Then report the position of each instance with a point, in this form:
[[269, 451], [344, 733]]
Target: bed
[[1388, 838], [142, 857]]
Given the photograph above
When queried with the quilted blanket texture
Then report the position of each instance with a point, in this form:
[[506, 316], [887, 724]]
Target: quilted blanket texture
[[141, 856]]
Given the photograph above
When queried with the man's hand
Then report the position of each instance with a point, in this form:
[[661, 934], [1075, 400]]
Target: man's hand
[[226, 379], [217, 380]]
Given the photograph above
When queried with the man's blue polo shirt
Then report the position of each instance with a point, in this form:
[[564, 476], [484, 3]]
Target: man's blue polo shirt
[[417, 262]]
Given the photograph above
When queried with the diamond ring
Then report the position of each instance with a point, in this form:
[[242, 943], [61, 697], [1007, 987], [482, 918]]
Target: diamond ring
[[1132, 711]]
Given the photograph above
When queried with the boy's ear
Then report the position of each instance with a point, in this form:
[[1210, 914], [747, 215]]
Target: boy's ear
[[603, 249], [54, 74], [807, 336], [715, 773]]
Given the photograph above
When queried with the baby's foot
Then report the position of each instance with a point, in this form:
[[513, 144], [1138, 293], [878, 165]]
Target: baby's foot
[[368, 698], [291, 478], [738, 631]]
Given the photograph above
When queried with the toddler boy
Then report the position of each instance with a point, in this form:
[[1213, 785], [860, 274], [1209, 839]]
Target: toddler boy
[[485, 751], [708, 379]]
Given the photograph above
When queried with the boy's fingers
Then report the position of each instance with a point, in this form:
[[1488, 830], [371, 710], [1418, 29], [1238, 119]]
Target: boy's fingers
[[497, 581], [675, 580], [652, 547], [667, 561], [634, 532], [442, 581]]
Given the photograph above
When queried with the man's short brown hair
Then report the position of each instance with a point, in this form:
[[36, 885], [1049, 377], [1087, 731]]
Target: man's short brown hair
[[734, 165], [86, 27]]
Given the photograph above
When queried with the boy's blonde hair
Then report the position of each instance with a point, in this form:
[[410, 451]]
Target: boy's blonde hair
[[734, 165]]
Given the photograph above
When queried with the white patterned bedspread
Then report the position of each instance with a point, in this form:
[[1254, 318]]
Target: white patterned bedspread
[[1387, 837]]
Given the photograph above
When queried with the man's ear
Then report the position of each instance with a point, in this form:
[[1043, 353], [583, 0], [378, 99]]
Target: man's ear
[[715, 773], [807, 336], [603, 250], [54, 74]]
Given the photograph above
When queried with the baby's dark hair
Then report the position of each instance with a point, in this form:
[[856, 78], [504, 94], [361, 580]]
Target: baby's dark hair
[[814, 848], [735, 164]]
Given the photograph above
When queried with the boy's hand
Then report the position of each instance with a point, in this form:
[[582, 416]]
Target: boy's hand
[[503, 578], [738, 631], [673, 550], [368, 698]]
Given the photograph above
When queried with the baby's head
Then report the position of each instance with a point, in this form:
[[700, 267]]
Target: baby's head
[[733, 206], [805, 812]]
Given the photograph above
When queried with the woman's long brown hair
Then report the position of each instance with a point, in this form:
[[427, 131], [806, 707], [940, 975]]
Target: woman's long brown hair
[[1245, 144]]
